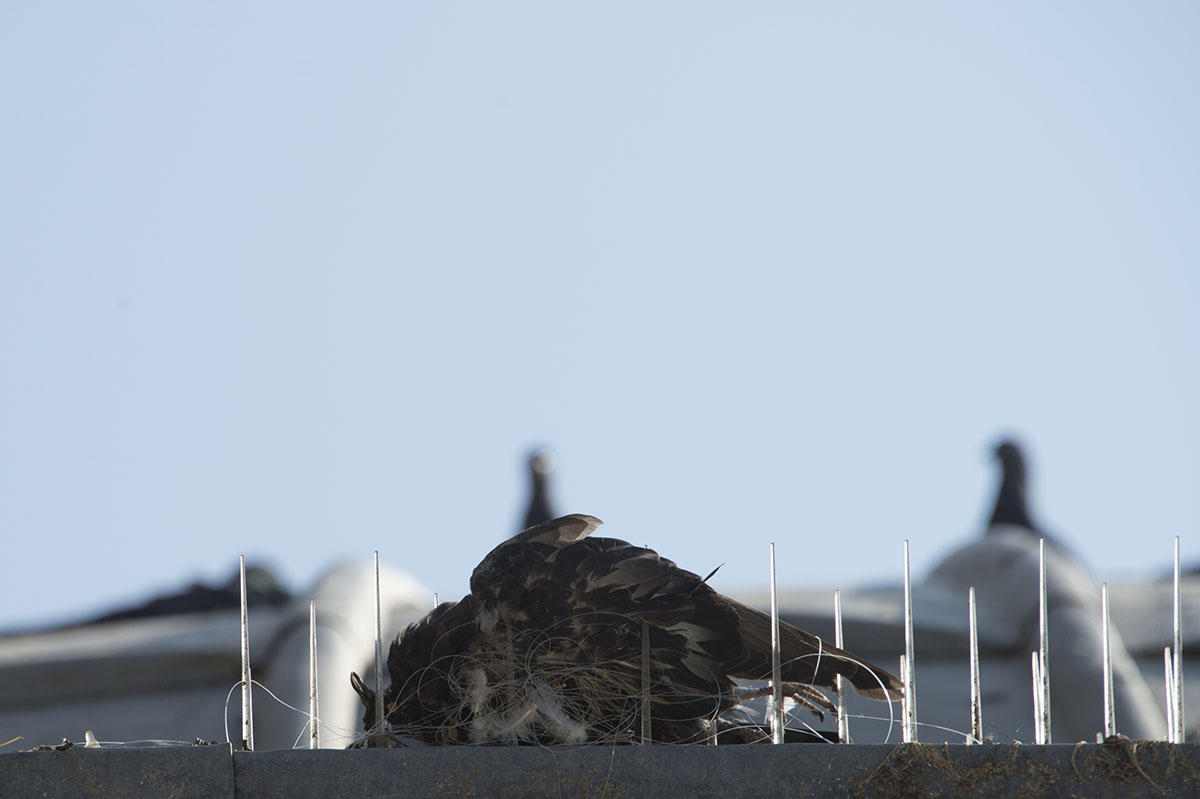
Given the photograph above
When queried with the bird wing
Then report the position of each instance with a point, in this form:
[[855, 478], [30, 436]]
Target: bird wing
[[544, 537], [561, 531], [640, 583], [598, 592], [543, 585]]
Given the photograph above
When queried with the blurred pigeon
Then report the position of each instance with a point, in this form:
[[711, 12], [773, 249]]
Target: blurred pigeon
[[1012, 503], [1003, 567], [1012, 500], [262, 588], [541, 463], [548, 649]]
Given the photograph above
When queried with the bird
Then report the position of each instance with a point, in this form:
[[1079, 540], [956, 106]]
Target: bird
[[541, 463], [262, 585], [564, 636], [1004, 566], [1012, 504], [1011, 511]]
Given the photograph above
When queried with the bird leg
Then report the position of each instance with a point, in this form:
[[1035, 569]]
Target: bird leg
[[808, 696]]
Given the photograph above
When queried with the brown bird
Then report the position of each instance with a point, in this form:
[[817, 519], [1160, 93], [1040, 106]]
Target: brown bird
[[548, 649]]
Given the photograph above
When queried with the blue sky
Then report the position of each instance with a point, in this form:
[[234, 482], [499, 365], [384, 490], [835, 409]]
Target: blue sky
[[304, 282]]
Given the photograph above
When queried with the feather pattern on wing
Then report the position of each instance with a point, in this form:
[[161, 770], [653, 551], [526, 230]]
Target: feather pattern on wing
[[547, 648]]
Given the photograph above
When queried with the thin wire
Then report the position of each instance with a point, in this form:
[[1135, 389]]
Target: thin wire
[[228, 699], [930, 725], [341, 731]]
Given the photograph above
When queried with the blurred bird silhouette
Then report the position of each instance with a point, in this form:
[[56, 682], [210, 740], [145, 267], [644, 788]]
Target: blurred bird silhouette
[[262, 587], [541, 463], [551, 645], [1003, 567], [1012, 498], [1012, 503]]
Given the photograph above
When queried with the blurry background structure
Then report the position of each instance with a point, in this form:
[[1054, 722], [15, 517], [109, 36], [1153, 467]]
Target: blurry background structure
[[160, 670], [299, 282]]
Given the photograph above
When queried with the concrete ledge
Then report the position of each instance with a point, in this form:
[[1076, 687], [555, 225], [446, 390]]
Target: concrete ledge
[[185, 772], [1125, 769]]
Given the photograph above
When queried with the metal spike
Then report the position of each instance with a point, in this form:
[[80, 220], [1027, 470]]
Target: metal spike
[[1170, 686], [380, 737], [1039, 727], [843, 720], [247, 697], [314, 724], [905, 727], [776, 679], [436, 600], [1110, 716], [1177, 652], [976, 735], [646, 730], [1043, 643], [908, 674]]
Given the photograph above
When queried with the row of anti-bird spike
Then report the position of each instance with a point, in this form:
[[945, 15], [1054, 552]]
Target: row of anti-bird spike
[[1040, 661], [314, 727]]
